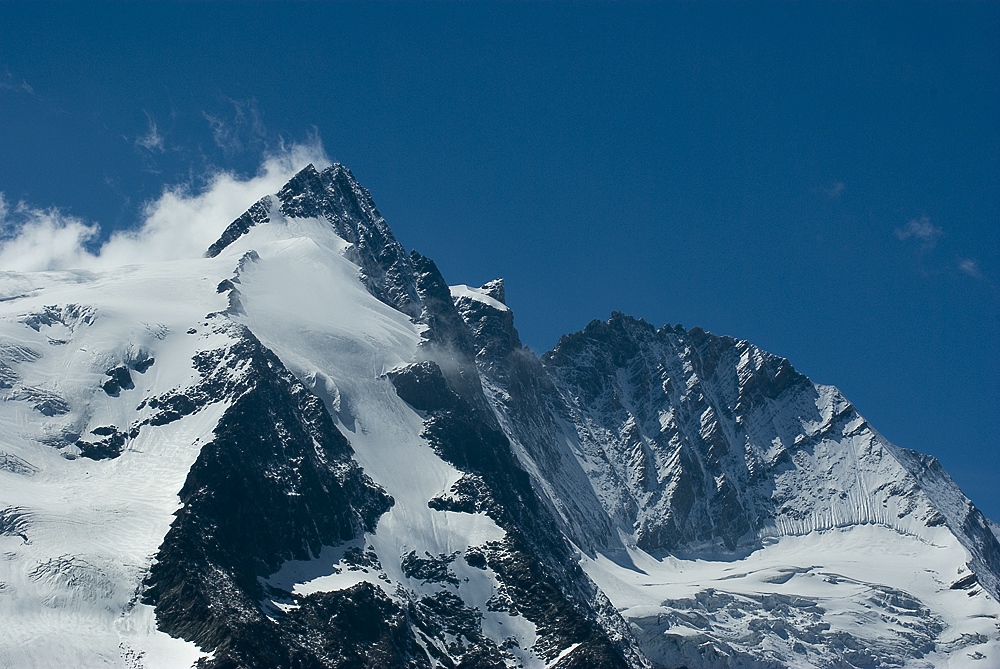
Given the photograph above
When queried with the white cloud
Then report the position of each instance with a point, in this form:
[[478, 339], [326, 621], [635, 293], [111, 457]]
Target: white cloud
[[152, 140], [223, 135], [970, 267], [42, 239], [922, 230], [178, 224], [245, 131], [9, 82]]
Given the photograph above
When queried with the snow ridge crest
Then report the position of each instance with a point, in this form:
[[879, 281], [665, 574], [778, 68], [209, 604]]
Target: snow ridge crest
[[334, 195]]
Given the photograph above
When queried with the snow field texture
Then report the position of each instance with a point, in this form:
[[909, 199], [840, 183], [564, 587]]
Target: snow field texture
[[854, 551], [869, 581], [70, 580], [304, 301]]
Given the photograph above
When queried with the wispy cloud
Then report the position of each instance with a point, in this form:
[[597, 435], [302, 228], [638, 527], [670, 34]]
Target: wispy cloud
[[834, 190], [970, 267], [223, 134], [10, 82], [829, 191], [243, 129], [180, 223], [152, 140], [921, 230], [922, 237]]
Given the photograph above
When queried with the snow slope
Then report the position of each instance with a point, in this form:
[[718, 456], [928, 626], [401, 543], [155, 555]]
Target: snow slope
[[122, 391], [863, 595], [303, 299], [79, 534], [232, 460], [693, 471]]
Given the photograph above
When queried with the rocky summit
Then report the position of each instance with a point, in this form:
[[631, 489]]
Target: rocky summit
[[307, 449]]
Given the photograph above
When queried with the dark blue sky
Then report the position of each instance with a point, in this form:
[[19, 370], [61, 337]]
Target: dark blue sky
[[822, 180]]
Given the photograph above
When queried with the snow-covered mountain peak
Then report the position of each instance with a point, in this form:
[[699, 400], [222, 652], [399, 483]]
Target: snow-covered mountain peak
[[496, 290], [334, 196], [667, 450], [486, 294], [233, 459], [719, 439]]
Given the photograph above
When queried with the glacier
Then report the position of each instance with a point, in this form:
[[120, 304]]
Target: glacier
[[307, 449]]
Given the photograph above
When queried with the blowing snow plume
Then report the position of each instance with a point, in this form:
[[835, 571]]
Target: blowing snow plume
[[178, 224], [294, 444]]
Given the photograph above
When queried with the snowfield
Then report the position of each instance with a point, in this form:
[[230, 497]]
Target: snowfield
[[880, 587], [88, 529], [694, 501], [70, 578]]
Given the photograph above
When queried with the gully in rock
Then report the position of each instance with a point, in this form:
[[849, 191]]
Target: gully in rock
[[310, 451]]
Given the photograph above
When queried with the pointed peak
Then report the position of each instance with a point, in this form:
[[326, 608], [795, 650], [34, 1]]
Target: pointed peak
[[338, 176], [336, 169], [300, 195], [495, 289], [310, 173], [333, 194], [258, 213], [306, 172], [305, 179], [336, 196]]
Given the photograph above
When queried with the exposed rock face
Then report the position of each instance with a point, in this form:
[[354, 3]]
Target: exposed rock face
[[532, 414], [697, 442], [335, 195], [366, 467], [681, 442], [534, 563], [257, 214], [665, 409], [276, 483]]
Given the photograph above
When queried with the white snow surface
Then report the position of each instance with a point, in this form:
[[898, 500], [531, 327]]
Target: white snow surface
[[868, 581], [69, 577], [856, 556], [302, 298], [68, 586], [477, 294]]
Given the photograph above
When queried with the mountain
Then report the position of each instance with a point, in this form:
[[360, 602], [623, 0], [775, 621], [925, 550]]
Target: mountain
[[306, 449]]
